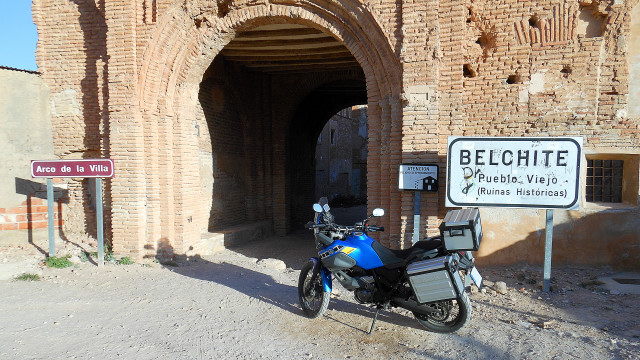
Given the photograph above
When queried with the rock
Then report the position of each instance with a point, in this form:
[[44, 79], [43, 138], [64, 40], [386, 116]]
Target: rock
[[546, 324], [523, 323], [501, 287], [274, 264], [75, 259]]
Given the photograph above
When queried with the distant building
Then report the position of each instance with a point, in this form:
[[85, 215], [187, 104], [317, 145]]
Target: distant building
[[341, 156]]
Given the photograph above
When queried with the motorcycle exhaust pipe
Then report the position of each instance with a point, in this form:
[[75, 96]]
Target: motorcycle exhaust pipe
[[413, 306]]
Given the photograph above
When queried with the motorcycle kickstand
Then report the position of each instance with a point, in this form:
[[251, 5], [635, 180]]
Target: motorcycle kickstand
[[375, 317]]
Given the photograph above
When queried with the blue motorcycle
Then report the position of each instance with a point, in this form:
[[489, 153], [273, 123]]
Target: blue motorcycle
[[429, 279]]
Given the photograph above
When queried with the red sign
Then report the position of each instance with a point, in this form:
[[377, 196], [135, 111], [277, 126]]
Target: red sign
[[86, 168]]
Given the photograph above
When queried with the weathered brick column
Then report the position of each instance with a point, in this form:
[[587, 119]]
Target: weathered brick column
[[126, 139]]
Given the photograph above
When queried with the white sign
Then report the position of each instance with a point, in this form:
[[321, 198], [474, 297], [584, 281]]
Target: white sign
[[418, 177], [539, 173]]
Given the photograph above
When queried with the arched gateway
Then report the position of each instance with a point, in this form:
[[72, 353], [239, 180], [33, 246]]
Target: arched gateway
[[163, 208]]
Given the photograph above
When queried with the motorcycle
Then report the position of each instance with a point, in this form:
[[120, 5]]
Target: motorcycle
[[430, 279]]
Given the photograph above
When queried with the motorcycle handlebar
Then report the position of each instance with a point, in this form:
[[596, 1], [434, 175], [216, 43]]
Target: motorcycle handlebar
[[312, 225], [375, 228], [341, 228]]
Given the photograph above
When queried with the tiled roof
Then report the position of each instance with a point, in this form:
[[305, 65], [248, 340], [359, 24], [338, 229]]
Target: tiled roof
[[22, 70]]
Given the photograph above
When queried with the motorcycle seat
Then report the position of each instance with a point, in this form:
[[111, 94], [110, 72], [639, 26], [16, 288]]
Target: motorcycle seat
[[396, 258]]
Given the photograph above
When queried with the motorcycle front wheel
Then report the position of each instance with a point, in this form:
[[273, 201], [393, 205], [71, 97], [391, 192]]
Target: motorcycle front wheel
[[314, 300], [450, 315]]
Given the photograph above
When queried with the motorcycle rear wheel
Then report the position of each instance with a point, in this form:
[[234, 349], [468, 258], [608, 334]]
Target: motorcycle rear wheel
[[451, 315], [314, 300]]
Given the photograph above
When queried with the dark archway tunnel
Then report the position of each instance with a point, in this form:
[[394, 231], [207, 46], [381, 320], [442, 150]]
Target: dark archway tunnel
[[265, 100]]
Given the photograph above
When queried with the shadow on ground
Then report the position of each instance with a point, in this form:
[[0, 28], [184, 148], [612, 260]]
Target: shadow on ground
[[264, 287], [296, 248]]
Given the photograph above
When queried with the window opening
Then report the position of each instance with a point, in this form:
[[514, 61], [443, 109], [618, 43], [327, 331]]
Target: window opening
[[333, 136], [604, 180]]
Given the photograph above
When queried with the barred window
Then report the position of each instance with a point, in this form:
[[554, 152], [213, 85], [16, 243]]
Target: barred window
[[604, 180]]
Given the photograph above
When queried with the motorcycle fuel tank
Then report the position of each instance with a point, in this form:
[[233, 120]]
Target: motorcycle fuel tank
[[357, 247]]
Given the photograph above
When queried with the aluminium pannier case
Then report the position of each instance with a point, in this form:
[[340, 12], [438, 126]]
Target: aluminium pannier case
[[461, 230], [435, 279]]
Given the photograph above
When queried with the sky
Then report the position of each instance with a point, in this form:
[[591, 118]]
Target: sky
[[18, 35]]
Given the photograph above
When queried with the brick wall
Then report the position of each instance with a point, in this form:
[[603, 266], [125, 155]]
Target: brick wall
[[125, 79], [226, 124], [31, 214]]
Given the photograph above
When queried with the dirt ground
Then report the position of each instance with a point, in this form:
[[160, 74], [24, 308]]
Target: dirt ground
[[236, 305]]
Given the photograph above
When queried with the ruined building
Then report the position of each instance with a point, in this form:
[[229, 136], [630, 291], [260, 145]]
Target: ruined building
[[211, 109], [341, 157]]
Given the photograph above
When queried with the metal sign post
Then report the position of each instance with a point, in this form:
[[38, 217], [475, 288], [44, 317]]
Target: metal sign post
[[548, 242], [99, 224], [50, 215], [539, 173], [416, 217], [417, 177], [85, 168]]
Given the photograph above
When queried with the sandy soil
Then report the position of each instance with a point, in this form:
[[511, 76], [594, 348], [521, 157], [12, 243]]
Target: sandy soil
[[234, 306]]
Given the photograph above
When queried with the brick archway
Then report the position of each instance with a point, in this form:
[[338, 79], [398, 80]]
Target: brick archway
[[165, 214]]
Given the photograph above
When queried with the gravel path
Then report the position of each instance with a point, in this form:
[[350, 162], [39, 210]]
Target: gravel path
[[234, 306]]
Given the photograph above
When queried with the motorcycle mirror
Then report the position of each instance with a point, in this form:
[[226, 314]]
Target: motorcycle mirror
[[326, 207], [378, 212], [317, 208]]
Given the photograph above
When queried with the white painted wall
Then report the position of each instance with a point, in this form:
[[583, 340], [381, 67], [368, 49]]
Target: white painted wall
[[25, 131]]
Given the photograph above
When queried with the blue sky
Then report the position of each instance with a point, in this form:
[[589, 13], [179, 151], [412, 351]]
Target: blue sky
[[18, 35]]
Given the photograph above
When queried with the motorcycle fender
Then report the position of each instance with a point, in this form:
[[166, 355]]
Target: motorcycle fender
[[324, 273]]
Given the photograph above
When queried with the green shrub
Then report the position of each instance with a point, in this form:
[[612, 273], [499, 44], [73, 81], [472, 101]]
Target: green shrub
[[124, 261], [108, 254], [59, 262], [28, 277]]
